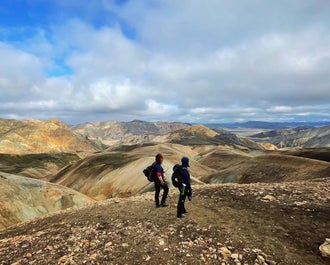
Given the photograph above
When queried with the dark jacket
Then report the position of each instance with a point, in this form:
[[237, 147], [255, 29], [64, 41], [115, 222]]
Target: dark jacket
[[186, 178]]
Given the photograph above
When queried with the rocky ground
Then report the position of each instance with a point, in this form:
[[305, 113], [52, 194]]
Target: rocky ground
[[227, 224]]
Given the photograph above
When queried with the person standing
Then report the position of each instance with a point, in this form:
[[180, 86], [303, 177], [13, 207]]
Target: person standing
[[184, 188], [160, 182]]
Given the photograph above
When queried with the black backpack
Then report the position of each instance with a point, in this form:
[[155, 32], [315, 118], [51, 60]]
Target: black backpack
[[150, 172], [177, 176]]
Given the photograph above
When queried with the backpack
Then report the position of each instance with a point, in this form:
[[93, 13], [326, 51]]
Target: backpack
[[177, 176], [149, 172]]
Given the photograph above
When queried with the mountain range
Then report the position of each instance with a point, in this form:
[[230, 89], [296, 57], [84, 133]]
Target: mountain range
[[297, 137], [269, 125], [116, 133]]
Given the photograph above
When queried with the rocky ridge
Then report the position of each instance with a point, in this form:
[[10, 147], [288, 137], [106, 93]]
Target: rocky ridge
[[227, 224]]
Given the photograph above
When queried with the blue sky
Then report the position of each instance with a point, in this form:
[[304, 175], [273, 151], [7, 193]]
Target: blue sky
[[187, 60]]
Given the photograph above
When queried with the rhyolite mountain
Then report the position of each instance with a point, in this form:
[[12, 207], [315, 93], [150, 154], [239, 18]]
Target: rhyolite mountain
[[116, 133], [35, 137], [202, 135], [25, 198]]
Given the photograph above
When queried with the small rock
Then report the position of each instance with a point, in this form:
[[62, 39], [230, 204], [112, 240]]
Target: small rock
[[63, 259], [234, 256], [125, 245], [148, 258], [269, 198], [225, 252], [325, 248], [161, 242], [300, 203], [28, 256], [261, 259], [49, 248]]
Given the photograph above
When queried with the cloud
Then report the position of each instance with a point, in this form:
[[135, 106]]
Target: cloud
[[185, 60], [20, 72]]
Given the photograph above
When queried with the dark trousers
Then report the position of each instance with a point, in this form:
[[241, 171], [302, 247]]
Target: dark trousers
[[182, 198], [158, 186]]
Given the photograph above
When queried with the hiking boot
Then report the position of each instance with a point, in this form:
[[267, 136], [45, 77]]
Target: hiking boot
[[164, 205], [157, 205], [181, 216]]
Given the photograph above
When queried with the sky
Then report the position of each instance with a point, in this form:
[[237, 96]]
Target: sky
[[194, 61]]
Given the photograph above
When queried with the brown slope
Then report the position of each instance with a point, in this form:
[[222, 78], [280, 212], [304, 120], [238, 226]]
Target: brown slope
[[287, 230], [322, 154], [25, 198], [35, 137], [119, 173], [263, 167]]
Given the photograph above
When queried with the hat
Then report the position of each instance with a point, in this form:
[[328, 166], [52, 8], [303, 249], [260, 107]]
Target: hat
[[185, 161]]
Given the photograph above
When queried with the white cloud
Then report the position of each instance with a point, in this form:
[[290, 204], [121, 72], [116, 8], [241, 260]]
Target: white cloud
[[18, 69], [189, 60]]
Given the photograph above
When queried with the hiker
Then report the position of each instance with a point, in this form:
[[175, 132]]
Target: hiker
[[184, 188], [160, 182]]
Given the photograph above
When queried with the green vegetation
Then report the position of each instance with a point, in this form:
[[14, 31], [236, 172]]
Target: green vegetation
[[114, 160], [16, 163]]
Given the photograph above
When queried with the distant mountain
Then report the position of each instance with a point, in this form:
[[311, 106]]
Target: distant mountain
[[111, 133], [297, 137], [269, 125], [25, 198], [202, 135], [34, 136]]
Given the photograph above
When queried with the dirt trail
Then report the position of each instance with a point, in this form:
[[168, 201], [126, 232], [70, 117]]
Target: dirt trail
[[271, 223]]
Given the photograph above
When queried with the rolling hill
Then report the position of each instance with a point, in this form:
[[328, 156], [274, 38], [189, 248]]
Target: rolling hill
[[234, 167], [119, 173]]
